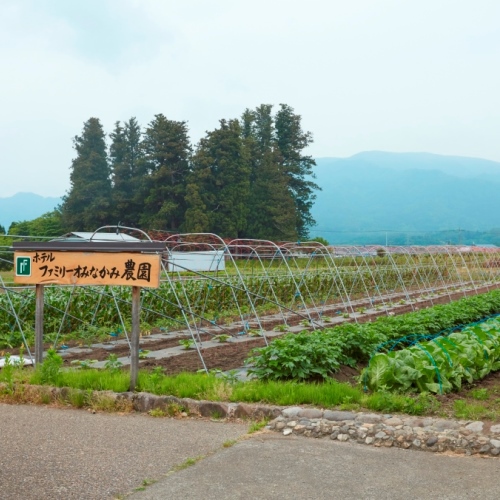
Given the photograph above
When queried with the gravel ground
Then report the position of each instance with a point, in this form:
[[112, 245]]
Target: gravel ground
[[65, 453]]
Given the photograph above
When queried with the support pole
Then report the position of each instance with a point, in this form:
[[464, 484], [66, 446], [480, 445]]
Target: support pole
[[39, 293], [134, 338]]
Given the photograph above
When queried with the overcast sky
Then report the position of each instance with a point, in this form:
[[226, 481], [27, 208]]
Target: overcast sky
[[392, 75]]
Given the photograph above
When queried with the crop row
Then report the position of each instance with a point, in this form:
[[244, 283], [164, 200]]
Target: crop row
[[104, 306], [439, 365], [293, 356]]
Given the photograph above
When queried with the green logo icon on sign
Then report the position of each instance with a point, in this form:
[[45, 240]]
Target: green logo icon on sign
[[23, 266]]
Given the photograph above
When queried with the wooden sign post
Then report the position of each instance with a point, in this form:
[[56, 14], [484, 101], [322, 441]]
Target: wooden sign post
[[89, 263]]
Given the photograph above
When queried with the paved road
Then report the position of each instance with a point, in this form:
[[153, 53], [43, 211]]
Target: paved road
[[271, 466], [51, 453]]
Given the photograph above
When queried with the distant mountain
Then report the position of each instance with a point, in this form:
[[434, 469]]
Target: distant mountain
[[377, 191], [375, 194], [25, 206]]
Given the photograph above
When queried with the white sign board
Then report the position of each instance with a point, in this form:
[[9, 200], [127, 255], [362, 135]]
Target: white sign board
[[209, 260]]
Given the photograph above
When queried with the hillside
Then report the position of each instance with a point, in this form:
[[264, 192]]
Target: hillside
[[407, 192], [25, 206]]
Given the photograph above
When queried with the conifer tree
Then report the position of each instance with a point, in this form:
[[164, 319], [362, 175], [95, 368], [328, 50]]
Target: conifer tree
[[127, 168], [291, 140], [167, 152], [87, 206], [220, 181], [271, 207]]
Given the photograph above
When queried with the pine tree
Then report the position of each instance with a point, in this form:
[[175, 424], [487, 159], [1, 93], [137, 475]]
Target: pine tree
[[272, 213], [291, 140], [167, 152], [87, 206], [127, 165], [220, 178], [271, 207], [196, 219]]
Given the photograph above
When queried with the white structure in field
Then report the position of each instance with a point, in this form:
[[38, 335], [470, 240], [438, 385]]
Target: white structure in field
[[208, 260]]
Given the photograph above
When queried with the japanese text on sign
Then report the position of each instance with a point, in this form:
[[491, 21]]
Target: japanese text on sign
[[135, 269]]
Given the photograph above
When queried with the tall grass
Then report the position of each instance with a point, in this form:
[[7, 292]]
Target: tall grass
[[326, 394]]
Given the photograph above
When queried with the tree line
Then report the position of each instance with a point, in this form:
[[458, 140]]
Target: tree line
[[248, 178]]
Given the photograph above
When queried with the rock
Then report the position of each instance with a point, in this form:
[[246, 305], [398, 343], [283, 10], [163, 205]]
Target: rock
[[475, 426], [144, 402], [310, 413], [243, 410], [212, 409], [495, 443], [337, 416], [441, 425], [261, 412], [369, 418], [437, 435], [431, 441], [287, 431], [415, 422], [393, 421], [291, 412]]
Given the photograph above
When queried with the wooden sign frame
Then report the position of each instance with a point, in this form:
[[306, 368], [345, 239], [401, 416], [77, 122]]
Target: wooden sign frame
[[87, 268]]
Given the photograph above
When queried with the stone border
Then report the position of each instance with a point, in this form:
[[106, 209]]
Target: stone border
[[403, 431], [428, 434], [145, 402], [407, 432]]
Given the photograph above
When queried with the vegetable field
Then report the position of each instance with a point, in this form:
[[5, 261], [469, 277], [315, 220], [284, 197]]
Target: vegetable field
[[264, 286]]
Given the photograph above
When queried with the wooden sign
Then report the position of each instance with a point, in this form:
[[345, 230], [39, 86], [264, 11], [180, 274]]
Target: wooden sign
[[87, 268]]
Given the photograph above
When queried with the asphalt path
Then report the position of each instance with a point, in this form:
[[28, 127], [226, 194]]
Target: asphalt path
[[50, 453], [65, 453], [271, 466]]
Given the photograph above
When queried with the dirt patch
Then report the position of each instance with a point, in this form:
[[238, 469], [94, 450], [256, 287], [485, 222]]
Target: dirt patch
[[100, 354], [227, 356], [347, 374]]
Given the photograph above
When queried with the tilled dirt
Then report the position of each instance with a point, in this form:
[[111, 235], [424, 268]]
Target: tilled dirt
[[100, 353], [231, 355], [227, 356]]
